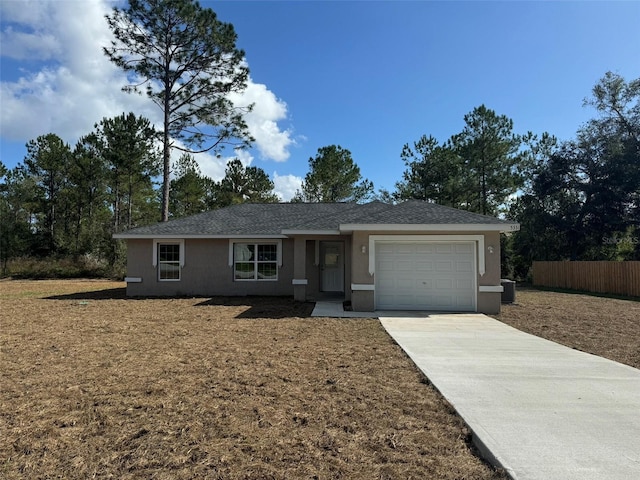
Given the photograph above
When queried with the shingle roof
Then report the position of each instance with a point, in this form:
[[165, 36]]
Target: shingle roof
[[274, 218], [425, 213]]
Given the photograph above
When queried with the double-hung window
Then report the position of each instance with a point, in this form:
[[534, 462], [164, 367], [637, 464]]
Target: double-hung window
[[255, 261], [169, 261]]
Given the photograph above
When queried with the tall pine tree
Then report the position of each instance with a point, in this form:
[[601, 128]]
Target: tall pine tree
[[187, 63]]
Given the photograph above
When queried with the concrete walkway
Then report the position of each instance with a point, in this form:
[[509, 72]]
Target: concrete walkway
[[334, 309], [538, 409]]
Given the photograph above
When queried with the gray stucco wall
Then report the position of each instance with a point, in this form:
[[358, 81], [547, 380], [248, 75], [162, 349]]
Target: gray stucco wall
[[312, 271], [361, 300], [206, 271], [489, 302]]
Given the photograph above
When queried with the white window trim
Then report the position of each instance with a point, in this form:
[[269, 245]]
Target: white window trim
[[491, 289], [265, 241], [479, 239], [363, 287], [257, 241], [175, 241], [178, 241]]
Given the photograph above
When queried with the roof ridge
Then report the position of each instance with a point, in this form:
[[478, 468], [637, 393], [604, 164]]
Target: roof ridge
[[457, 210], [322, 216]]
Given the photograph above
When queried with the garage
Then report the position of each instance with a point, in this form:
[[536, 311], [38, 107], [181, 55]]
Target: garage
[[438, 276]]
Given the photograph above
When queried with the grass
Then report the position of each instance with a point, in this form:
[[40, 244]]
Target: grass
[[581, 292], [608, 327], [94, 385]]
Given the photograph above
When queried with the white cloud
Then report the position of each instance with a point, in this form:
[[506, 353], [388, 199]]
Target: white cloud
[[27, 12], [244, 156], [28, 45], [79, 86], [262, 121], [213, 166], [69, 96], [286, 185]]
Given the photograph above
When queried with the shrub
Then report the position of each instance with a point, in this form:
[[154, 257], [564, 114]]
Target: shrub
[[85, 266]]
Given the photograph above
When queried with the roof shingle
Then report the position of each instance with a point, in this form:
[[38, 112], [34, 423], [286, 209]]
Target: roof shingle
[[274, 218]]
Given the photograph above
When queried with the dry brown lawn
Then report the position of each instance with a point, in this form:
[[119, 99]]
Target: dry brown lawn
[[93, 385], [606, 327]]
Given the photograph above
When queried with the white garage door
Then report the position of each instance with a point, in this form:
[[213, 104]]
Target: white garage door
[[425, 276]]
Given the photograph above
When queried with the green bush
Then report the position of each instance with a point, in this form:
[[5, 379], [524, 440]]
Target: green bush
[[62, 267]]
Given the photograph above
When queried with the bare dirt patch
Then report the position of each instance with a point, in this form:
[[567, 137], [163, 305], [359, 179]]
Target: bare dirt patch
[[93, 385], [606, 327]]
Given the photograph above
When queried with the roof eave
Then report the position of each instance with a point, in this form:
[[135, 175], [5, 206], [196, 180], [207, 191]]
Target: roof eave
[[310, 232], [431, 227], [151, 236], [344, 229]]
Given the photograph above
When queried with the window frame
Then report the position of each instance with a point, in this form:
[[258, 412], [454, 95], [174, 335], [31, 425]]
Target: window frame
[[156, 258], [255, 261]]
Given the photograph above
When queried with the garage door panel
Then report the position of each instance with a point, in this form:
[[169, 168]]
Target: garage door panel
[[404, 299], [409, 249], [385, 301], [384, 248], [405, 284], [443, 301], [444, 266], [404, 266], [444, 248], [465, 303], [463, 248], [444, 284], [424, 248], [466, 267], [385, 284], [385, 266], [423, 266], [425, 276]]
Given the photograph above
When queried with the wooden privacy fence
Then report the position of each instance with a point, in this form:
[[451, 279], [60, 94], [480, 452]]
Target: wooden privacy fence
[[618, 278]]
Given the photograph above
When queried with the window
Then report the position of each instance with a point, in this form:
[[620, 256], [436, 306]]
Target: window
[[255, 261], [169, 261]]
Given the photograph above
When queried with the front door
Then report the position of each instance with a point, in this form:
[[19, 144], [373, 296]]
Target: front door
[[332, 266]]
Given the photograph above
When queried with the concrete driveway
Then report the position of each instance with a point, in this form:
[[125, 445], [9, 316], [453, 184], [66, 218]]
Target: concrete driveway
[[538, 409]]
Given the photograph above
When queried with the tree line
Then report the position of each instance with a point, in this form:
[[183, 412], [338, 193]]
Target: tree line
[[582, 197], [577, 199], [64, 201], [574, 200]]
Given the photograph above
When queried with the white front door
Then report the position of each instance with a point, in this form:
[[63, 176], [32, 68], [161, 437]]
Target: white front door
[[332, 266]]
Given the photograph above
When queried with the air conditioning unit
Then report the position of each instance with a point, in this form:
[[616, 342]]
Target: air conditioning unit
[[508, 290]]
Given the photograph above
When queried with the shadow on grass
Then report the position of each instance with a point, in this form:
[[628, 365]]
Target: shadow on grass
[[258, 307], [107, 294], [263, 307]]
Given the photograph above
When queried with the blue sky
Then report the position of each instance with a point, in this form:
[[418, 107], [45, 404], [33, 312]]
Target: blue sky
[[369, 76]]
